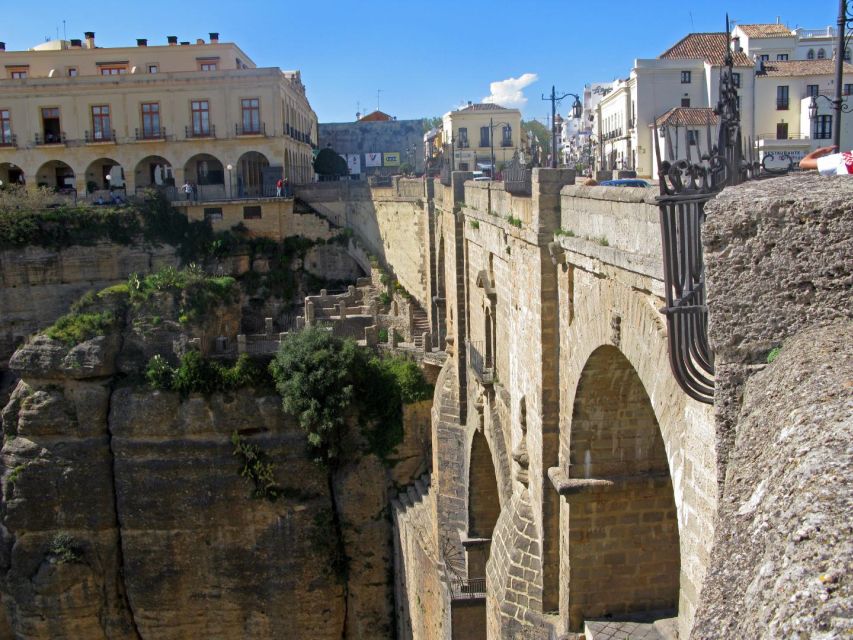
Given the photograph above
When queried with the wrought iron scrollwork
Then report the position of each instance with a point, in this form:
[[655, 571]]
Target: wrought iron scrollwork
[[518, 177]]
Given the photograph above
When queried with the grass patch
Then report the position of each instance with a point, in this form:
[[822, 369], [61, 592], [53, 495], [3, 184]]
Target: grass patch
[[515, 222], [774, 353], [74, 328], [603, 241], [475, 224], [568, 233]]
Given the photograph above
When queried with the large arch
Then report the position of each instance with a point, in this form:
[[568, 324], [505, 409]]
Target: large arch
[[250, 174], [207, 174], [104, 174], [154, 171], [11, 174], [622, 529], [484, 506], [56, 174]]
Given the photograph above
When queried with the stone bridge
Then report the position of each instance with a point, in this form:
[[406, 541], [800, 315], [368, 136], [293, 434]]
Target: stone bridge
[[570, 471]]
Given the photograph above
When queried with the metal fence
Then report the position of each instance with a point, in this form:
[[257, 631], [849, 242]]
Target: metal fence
[[518, 177], [468, 588], [480, 362]]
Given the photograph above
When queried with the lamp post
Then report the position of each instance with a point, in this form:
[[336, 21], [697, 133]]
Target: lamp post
[[577, 111], [492, 126], [229, 167]]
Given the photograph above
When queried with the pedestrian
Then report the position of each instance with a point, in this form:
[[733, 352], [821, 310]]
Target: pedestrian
[[828, 163], [286, 188], [188, 190], [278, 186]]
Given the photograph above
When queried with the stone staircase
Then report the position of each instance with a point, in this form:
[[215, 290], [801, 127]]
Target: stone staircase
[[420, 325], [413, 510]]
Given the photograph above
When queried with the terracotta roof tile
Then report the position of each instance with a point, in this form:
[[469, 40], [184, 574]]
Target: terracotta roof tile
[[688, 116], [710, 47], [772, 30], [802, 68]]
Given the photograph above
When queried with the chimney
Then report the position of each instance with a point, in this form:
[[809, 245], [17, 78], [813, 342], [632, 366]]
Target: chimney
[[2, 46], [199, 40], [736, 44], [90, 39], [214, 37], [173, 40], [76, 43], [184, 43], [141, 42], [469, 103]]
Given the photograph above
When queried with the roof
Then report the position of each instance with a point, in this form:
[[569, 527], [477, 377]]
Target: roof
[[773, 30], [376, 116], [688, 116], [483, 106], [710, 47], [802, 68]]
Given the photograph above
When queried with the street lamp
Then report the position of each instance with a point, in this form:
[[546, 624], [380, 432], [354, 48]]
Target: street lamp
[[229, 167], [577, 111], [492, 126]]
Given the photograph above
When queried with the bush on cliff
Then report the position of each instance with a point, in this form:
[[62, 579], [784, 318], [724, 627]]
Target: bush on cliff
[[197, 374], [74, 328], [198, 292]]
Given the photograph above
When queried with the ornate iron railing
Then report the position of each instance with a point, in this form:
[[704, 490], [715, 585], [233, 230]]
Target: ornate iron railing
[[518, 177], [468, 588]]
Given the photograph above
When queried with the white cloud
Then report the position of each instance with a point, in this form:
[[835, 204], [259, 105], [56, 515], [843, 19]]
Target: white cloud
[[509, 92]]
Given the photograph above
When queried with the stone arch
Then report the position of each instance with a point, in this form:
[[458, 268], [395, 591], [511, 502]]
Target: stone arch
[[154, 171], [440, 301], [810, 54], [104, 174], [490, 342], [821, 54], [11, 174], [207, 173], [56, 174], [484, 506], [250, 174], [622, 530]]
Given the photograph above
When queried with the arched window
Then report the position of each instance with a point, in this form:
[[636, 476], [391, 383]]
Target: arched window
[[821, 54], [810, 54]]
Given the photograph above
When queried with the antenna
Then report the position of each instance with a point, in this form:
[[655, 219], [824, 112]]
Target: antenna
[[378, 91], [692, 28], [64, 32]]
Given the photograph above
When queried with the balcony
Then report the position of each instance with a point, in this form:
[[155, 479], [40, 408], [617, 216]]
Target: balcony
[[257, 129], [49, 138], [781, 105], [9, 141], [481, 364], [150, 134], [99, 137], [189, 132], [462, 144], [506, 143]]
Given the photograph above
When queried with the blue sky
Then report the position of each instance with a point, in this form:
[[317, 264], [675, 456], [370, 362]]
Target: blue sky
[[426, 57]]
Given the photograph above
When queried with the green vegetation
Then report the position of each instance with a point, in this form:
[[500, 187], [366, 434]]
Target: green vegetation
[[431, 123], [475, 224], [568, 233], [384, 298], [15, 474], [196, 374], [382, 335], [199, 292], [74, 328], [542, 135], [329, 163], [604, 242], [515, 222], [63, 548], [257, 468], [774, 353], [322, 379]]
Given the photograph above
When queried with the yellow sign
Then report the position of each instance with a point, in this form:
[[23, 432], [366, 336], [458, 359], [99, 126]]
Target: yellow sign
[[391, 159]]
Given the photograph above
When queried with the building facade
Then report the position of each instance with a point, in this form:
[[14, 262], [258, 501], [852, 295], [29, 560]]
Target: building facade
[[478, 129], [81, 118]]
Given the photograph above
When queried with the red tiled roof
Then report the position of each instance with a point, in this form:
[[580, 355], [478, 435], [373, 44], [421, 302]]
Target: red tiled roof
[[688, 116], [710, 47], [772, 30], [802, 68], [376, 116]]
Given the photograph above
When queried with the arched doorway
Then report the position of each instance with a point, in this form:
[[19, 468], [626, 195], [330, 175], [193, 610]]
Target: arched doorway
[[104, 174], [154, 172], [484, 506], [57, 175], [207, 174], [623, 539], [250, 174], [11, 174]]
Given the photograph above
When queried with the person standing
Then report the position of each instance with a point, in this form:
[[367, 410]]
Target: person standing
[[286, 188], [188, 190], [278, 186]]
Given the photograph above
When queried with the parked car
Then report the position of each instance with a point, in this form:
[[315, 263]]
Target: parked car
[[625, 182]]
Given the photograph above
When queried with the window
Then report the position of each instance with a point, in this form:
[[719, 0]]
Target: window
[[781, 56], [810, 54], [200, 118], [463, 138], [781, 130], [693, 136], [847, 54], [737, 103], [50, 125], [506, 139], [251, 110], [821, 54], [153, 68], [150, 119], [764, 57], [101, 129], [207, 66], [214, 213], [812, 90], [685, 102], [848, 89], [72, 72], [252, 212], [113, 71], [823, 128], [5, 127], [19, 75], [484, 136], [782, 97], [736, 79], [685, 77]]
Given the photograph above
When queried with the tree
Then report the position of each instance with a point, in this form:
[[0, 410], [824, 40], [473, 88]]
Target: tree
[[432, 123], [541, 134], [329, 163]]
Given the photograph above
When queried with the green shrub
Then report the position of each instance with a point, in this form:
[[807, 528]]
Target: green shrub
[[197, 292], [159, 374], [195, 374], [384, 298], [63, 548], [74, 328], [515, 222], [475, 224], [257, 468], [383, 335], [774, 353], [604, 242]]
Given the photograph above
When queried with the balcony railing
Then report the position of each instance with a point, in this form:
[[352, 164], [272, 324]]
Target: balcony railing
[[462, 144], [481, 364], [506, 143], [50, 138], [150, 134], [189, 132], [468, 588], [9, 141], [90, 137], [782, 105], [259, 129]]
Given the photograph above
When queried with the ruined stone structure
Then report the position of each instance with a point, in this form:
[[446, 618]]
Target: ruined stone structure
[[572, 478]]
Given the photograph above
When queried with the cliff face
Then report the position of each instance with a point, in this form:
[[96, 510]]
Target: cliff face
[[125, 515]]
